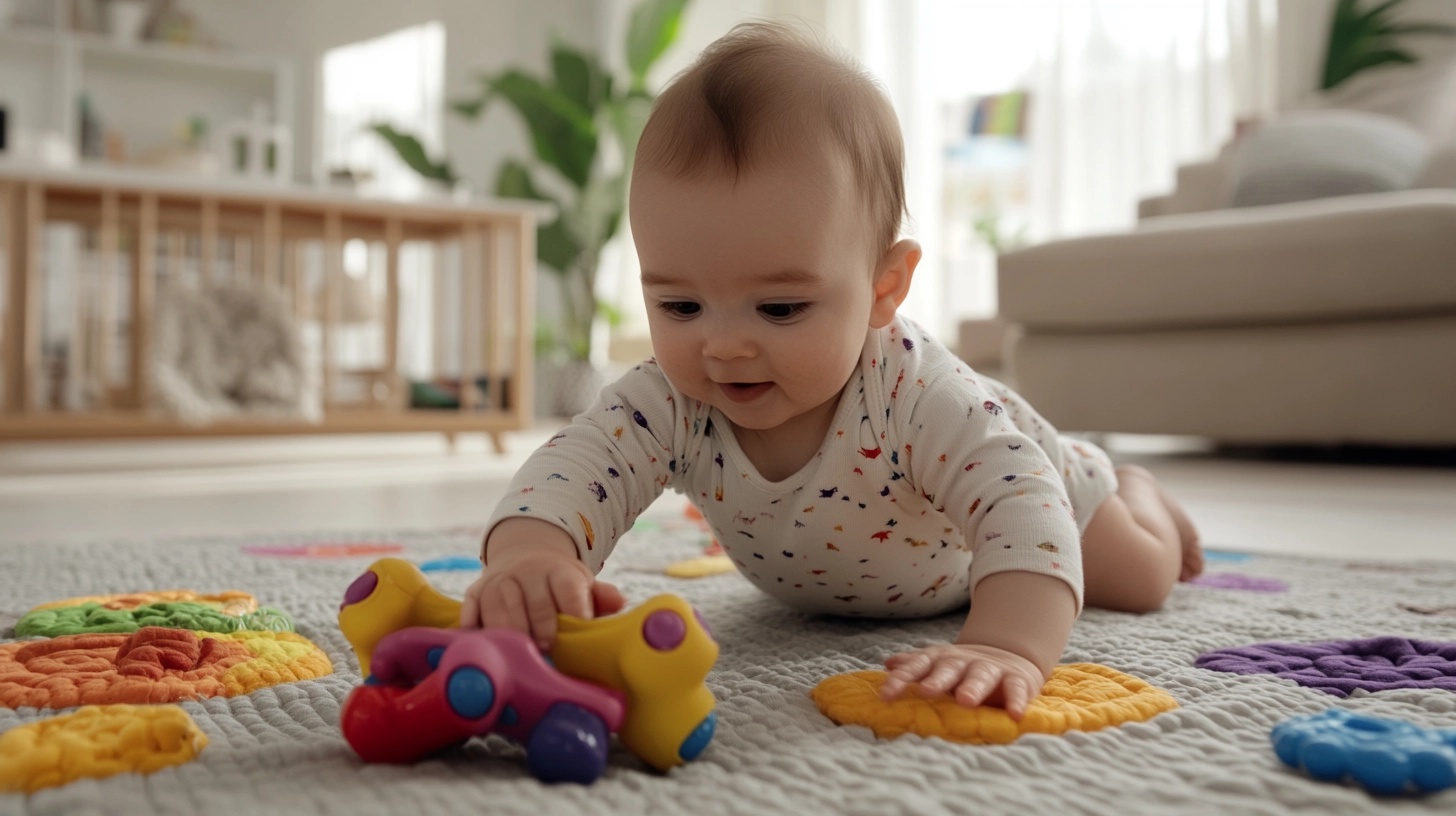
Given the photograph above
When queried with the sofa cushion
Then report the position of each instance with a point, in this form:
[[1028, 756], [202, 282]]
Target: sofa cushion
[[1351, 257], [1318, 154], [1422, 95]]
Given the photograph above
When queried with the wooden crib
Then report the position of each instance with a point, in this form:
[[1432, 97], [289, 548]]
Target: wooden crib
[[128, 231]]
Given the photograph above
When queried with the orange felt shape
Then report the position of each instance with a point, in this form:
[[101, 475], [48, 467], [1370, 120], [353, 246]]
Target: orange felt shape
[[1078, 697], [152, 665]]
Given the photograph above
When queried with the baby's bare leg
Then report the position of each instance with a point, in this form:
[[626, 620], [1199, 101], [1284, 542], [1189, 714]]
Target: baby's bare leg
[[1137, 546]]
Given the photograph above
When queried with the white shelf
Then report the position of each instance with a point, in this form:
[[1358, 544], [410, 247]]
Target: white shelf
[[142, 90], [177, 55]]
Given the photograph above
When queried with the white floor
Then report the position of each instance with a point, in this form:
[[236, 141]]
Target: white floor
[[166, 489]]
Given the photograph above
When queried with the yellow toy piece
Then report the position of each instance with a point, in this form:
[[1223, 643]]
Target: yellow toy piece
[[392, 595], [658, 663], [96, 742], [1078, 697]]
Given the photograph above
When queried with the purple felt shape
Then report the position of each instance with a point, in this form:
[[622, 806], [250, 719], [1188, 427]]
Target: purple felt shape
[[1237, 580], [1339, 667]]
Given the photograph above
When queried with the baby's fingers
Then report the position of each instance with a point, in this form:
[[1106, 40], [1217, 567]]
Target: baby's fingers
[[1016, 694], [503, 606], [904, 670], [470, 609], [942, 677], [572, 593], [980, 681]]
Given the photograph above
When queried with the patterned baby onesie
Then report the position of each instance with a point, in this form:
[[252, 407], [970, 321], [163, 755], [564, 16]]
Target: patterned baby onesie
[[930, 478]]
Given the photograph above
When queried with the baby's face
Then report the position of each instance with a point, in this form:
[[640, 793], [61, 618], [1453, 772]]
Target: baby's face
[[758, 291]]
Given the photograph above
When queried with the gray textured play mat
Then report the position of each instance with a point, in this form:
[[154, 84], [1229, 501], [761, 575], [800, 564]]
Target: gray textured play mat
[[280, 750]]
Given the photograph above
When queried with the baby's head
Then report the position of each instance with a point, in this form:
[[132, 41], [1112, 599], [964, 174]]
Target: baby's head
[[767, 195]]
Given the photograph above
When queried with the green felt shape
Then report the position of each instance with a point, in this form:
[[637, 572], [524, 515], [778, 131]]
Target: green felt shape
[[93, 618]]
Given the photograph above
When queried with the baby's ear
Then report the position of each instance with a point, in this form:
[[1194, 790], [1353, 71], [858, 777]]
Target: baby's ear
[[892, 281]]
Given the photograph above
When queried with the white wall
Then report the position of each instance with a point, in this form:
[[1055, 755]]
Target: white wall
[[480, 36]]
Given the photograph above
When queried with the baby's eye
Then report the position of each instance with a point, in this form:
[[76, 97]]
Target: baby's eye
[[782, 311], [679, 308]]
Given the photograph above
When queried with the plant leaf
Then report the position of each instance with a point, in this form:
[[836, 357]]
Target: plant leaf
[[472, 108], [651, 29], [1439, 29], [628, 116], [412, 153], [1374, 58], [556, 247], [580, 78], [563, 135], [597, 212]]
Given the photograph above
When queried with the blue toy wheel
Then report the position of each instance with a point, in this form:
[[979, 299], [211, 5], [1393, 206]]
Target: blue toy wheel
[[696, 741], [568, 745]]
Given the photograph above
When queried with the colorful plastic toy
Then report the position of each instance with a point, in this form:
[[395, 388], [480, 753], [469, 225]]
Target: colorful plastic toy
[[1384, 756], [432, 688], [639, 674]]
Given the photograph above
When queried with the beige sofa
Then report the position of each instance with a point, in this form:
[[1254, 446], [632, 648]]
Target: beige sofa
[[1319, 322]]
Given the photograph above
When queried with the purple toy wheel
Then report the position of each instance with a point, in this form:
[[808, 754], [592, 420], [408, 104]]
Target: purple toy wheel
[[568, 745], [1341, 666]]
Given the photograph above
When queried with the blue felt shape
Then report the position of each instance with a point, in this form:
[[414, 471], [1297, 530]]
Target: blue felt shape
[[1225, 556], [450, 563], [1383, 755]]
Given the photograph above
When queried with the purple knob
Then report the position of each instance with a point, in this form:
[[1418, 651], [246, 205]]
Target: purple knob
[[362, 588], [664, 630]]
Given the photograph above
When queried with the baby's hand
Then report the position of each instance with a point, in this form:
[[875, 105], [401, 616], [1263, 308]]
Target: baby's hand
[[525, 587], [972, 674]]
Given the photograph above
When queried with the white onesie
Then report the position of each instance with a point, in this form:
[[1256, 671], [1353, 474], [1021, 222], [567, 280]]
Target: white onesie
[[930, 478]]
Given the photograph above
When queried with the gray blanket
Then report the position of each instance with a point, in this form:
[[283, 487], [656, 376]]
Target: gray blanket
[[774, 752]]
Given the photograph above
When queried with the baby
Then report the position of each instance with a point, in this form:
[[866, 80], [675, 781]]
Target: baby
[[846, 461]]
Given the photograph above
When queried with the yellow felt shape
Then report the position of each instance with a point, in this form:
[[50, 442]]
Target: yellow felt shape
[[1078, 697], [231, 602], [700, 567], [96, 742]]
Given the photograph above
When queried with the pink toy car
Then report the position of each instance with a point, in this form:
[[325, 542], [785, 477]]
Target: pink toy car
[[433, 688]]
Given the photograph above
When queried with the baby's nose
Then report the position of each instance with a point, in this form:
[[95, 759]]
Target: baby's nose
[[727, 340]]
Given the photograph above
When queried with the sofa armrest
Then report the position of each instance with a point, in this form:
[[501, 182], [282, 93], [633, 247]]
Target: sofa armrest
[[1199, 187]]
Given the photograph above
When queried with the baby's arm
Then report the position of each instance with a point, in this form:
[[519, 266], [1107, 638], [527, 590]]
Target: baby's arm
[[1013, 636], [568, 505], [968, 457]]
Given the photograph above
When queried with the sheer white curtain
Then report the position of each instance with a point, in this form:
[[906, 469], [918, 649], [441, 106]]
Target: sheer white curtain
[[1125, 90], [1122, 91]]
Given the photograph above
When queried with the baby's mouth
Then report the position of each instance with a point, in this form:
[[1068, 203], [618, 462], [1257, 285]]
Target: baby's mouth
[[744, 391]]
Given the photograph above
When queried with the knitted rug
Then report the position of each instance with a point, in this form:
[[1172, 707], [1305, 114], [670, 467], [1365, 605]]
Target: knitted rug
[[279, 748]]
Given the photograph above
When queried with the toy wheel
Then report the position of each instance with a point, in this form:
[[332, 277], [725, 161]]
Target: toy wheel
[[568, 745]]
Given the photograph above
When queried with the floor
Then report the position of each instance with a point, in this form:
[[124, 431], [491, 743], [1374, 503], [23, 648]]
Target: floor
[[1347, 505]]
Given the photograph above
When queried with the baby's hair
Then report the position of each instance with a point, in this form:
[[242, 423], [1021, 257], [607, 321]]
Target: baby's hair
[[767, 89]]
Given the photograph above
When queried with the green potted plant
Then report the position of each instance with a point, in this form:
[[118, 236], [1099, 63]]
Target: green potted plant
[[571, 116], [1362, 38]]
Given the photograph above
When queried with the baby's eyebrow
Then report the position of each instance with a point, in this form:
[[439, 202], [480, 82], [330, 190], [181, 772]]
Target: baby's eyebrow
[[790, 275]]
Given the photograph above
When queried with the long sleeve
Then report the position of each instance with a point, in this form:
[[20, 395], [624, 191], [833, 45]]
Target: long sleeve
[[594, 477], [967, 458]]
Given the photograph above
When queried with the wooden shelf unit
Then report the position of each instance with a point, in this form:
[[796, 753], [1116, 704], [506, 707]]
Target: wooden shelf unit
[[151, 219]]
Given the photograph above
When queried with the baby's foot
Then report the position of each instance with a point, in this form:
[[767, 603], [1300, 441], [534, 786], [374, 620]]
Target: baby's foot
[[1187, 535]]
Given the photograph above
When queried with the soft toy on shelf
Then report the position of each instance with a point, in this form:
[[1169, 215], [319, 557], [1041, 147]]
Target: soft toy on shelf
[[638, 674]]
